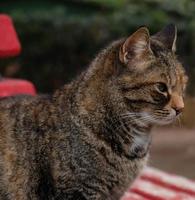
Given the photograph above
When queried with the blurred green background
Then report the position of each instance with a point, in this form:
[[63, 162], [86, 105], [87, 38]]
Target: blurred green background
[[60, 38]]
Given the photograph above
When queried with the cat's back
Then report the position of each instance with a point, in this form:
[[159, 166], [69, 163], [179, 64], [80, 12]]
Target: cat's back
[[13, 101], [21, 110], [20, 145], [25, 102]]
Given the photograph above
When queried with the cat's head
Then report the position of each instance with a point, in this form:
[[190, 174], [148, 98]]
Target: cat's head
[[152, 81]]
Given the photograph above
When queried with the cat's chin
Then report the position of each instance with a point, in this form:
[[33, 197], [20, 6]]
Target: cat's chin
[[163, 122], [160, 121], [166, 121]]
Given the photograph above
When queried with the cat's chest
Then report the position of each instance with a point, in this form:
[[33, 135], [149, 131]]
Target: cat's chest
[[124, 168], [127, 175], [93, 163], [139, 146], [100, 160], [116, 173]]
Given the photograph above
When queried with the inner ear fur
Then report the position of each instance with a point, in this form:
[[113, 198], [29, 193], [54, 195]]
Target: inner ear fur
[[135, 45]]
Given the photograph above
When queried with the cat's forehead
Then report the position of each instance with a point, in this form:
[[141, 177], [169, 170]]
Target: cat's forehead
[[170, 69]]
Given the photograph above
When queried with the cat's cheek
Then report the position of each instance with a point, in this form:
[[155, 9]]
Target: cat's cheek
[[168, 119]]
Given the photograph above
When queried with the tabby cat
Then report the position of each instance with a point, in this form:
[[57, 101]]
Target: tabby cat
[[90, 139]]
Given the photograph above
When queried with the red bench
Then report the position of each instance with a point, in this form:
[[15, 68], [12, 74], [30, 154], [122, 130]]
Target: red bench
[[10, 46]]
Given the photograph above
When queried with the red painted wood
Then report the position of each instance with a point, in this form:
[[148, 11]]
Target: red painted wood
[[154, 184], [133, 196], [10, 46], [9, 43], [11, 87], [170, 181], [153, 191]]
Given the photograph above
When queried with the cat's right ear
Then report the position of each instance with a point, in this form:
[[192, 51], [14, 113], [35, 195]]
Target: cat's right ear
[[136, 46]]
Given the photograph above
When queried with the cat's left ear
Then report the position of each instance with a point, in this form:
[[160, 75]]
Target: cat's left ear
[[136, 46], [168, 36]]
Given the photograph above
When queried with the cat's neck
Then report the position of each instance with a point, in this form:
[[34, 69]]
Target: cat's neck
[[93, 103], [88, 92]]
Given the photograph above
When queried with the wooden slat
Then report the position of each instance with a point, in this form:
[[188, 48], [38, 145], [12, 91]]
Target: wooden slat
[[9, 43], [133, 196], [153, 191], [154, 184], [176, 183], [11, 87]]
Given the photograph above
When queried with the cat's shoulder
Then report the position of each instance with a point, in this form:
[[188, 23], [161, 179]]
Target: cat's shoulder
[[22, 100]]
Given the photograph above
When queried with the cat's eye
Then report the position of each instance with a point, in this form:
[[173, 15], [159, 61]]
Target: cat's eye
[[161, 87]]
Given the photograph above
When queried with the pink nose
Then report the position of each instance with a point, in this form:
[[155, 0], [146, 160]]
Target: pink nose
[[177, 103], [178, 110]]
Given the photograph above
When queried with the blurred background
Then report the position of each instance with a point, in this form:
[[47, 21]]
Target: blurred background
[[59, 39]]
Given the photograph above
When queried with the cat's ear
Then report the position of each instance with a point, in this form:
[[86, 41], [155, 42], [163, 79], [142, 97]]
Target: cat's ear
[[168, 36], [135, 46]]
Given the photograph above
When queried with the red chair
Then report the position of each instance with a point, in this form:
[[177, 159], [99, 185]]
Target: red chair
[[10, 46]]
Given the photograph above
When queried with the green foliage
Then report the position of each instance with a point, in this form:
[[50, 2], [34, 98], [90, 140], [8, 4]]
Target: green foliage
[[111, 3], [60, 38]]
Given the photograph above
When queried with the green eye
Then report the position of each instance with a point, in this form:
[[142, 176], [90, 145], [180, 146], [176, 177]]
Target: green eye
[[162, 87]]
